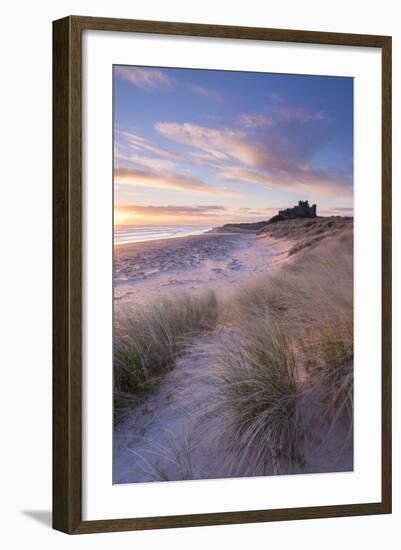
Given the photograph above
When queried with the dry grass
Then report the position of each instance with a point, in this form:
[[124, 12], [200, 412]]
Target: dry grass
[[308, 232], [148, 340], [258, 396], [294, 338], [172, 453], [315, 286], [329, 360]]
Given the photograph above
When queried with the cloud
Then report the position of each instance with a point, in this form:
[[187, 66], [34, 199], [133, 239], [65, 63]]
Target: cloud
[[149, 178], [220, 144], [150, 78], [255, 120], [153, 163], [342, 208], [215, 214], [146, 79], [277, 157], [118, 153], [237, 173], [276, 97], [337, 211], [172, 210], [133, 150], [292, 177], [204, 158], [300, 114], [270, 210], [206, 92], [274, 151], [139, 143]]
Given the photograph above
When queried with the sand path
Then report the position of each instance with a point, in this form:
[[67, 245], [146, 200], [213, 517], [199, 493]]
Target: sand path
[[164, 438]]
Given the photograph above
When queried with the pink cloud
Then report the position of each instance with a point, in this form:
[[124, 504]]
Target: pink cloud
[[148, 178], [255, 120], [153, 163], [138, 143], [276, 158], [146, 79], [172, 210], [149, 78], [291, 178], [221, 144], [238, 173], [300, 114], [337, 211]]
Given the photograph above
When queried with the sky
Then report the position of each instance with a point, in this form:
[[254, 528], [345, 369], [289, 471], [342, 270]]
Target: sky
[[212, 147]]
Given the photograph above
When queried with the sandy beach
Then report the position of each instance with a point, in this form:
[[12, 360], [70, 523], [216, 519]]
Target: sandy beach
[[182, 428], [217, 260], [149, 443]]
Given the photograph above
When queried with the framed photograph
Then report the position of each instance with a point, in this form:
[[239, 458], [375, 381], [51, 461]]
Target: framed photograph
[[222, 274]]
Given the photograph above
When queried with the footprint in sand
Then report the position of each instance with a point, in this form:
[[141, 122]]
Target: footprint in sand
[[234, 264]]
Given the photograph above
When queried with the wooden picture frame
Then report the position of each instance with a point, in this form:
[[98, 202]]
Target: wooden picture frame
[[67, 274]]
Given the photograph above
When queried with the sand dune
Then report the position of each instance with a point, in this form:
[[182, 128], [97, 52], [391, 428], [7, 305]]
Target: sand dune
[[200, 413]]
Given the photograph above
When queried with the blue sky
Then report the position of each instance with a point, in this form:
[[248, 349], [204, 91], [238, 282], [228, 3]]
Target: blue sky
[[209, 147]]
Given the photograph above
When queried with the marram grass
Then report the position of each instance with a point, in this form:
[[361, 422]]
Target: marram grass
[[147, 341]]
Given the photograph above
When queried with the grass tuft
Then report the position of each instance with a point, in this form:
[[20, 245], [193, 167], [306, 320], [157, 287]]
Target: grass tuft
[[148, 340], [259, 396], [307, 232], [294, 340], [329, 359]]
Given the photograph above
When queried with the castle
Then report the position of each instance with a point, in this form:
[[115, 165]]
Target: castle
[[303, 210]]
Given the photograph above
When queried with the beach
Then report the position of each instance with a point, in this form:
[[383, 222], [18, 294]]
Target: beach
[[213, 333], [220, 260], [171, 418]]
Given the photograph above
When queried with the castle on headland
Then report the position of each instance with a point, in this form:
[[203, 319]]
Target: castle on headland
[[303, 210]]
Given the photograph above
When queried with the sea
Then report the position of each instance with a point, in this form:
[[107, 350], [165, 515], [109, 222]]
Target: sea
[[124, 234]]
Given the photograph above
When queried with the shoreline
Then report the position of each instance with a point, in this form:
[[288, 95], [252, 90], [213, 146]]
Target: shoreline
[[204, 231], [166, 240], [166, 237]]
